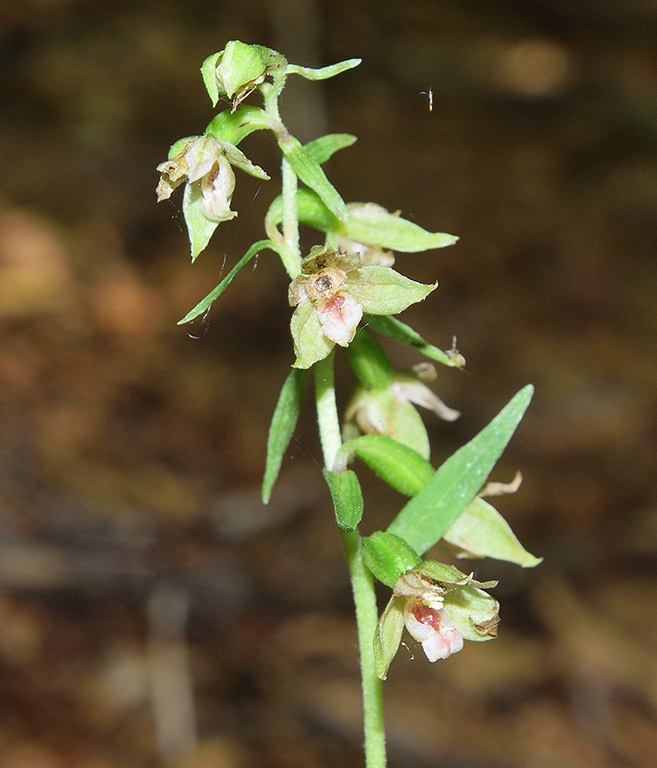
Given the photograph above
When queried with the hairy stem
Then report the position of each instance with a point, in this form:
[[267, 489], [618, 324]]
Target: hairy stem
[[361, 579], [288, 250], [290, 254], [327, 409], [362, 585]]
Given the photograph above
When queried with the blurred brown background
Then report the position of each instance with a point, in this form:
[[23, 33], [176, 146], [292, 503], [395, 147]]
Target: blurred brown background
[[152, 613]]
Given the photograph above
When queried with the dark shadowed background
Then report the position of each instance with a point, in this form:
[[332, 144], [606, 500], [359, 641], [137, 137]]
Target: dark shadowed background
[[152, 612]]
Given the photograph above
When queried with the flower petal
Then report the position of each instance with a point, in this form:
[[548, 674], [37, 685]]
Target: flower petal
[[217, 191], [339, 317], [431, 627], [416, 392]]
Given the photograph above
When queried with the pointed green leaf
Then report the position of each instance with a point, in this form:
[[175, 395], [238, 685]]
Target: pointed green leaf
[[387, 635], [481, 531], [396, 464], [424, 520], [310, 344], [281, 429], [235, 126], [382, 291], [199, 227], [370, 223], [324, 147], [388, 556], [203, 305], [324, 72], [395, 329], [312, 175], [347, 498]]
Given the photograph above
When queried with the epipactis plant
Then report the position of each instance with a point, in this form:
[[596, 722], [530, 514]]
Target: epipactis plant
[[343, 292]]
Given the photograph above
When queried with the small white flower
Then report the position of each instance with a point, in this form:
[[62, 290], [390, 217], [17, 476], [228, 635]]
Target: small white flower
[[201, 160], [325, 283]]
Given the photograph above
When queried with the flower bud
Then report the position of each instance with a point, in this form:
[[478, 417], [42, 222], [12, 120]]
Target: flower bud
[[237, 70]]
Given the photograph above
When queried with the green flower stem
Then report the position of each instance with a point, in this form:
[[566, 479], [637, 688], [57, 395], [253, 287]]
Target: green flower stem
[[290, 254], [289, 250], [327, 410], [361, 579], [367, 616]]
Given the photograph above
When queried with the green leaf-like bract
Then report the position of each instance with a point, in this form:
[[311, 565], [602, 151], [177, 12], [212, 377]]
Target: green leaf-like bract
[[399, 331], [347, 498], [322, 73], [383, 291], [312, 175], [205, 303], [388, 556], [402, 468], [281, 429], [370, 223], [481, 531], [427, 516], [325, 147]]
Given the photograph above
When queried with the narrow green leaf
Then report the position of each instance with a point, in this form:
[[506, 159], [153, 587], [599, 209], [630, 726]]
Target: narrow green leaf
[[312, 175], [396, 464], [481, 531], [372, 224], [424, 520], [395, 329], [388, 556], [322, 73], [324, 147], [347, 498], [205, 303], [281, 429]]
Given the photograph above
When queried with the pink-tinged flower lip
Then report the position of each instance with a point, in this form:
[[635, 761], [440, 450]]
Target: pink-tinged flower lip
[[431, 627], [339, 317]]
